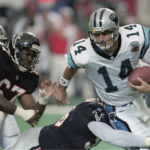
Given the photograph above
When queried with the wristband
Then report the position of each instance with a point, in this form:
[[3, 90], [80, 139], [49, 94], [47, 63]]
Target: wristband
[[147, 142], [64, 82], [43, 100], [24, 114]]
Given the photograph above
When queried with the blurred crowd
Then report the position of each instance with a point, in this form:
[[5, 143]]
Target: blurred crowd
[[59, 23]]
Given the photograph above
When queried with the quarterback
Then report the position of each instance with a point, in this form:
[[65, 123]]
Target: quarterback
[[108, 56]]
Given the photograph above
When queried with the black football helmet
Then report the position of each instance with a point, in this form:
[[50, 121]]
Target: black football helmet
[[26, 51], [3, 36]]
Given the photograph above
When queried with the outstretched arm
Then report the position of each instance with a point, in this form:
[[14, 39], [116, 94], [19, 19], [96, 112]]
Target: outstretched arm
[[117, 137], [28, 102], [60, 90], [10, 108]]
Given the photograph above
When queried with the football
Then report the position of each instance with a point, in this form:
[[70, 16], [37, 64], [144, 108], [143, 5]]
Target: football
[[142, 72]]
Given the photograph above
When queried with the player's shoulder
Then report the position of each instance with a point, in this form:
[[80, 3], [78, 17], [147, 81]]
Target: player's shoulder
[[81, 44], [80, 51], [132, 30], [131, 27]]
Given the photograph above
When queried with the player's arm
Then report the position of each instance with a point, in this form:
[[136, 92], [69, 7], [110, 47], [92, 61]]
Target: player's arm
[[75, 60], [144, 52], [60, 90], [117, 137], [28, 102], [144, 55], [10, 108]]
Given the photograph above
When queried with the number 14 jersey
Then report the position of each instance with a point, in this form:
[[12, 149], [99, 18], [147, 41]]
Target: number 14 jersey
[[109, 74]]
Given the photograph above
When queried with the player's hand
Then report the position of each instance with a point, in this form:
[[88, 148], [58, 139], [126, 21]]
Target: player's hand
[[34, 120], [48, 87], [144, 87], [46, 91], [29, 115], [60, 94]]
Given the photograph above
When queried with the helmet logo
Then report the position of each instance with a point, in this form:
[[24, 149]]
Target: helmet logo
[[135, 46], [98, 115], [114, 18]]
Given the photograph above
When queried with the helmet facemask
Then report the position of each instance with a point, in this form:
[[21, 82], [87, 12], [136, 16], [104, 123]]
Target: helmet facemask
[[103, 22], [23, 63], [26, 52]]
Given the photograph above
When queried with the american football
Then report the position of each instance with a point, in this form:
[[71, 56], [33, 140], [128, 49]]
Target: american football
[[142, 72]]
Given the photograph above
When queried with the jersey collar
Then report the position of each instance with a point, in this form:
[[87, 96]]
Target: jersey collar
[[103, 54]]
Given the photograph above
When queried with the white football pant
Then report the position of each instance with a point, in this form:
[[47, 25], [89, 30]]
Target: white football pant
[[9, 130]]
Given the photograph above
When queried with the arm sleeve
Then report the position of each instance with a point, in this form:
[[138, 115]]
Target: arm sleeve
[[145, 51], [78, 55], [117, 137]]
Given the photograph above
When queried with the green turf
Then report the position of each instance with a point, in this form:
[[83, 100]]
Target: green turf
[[48, 119]]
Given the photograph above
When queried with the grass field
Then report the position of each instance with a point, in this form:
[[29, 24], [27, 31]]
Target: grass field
[[49, 118]]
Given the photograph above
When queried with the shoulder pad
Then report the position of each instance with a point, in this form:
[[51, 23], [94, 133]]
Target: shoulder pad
[[132, 32], [79, 53]]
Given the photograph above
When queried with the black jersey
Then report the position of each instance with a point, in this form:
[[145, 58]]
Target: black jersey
[[14, 83], [71, 132]]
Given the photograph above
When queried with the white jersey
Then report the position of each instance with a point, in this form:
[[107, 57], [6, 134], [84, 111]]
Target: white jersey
[[110, 74]]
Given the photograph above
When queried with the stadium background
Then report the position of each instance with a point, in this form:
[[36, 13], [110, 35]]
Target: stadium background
[[13, 15]]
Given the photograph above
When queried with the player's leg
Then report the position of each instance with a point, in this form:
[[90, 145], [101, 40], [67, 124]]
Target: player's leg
[[130, 117], [2, 117], [135, 118], [27, 140], [9, 131]]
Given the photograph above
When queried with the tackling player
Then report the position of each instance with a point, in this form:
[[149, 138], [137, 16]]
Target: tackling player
[[18, 79], [108, 56], [81, 129]]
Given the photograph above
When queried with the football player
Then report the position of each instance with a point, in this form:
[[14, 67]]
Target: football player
[[108, 56], [18, 79], [81, 129]]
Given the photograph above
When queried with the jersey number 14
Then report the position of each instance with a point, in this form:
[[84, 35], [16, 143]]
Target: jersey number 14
[[126, 68]]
